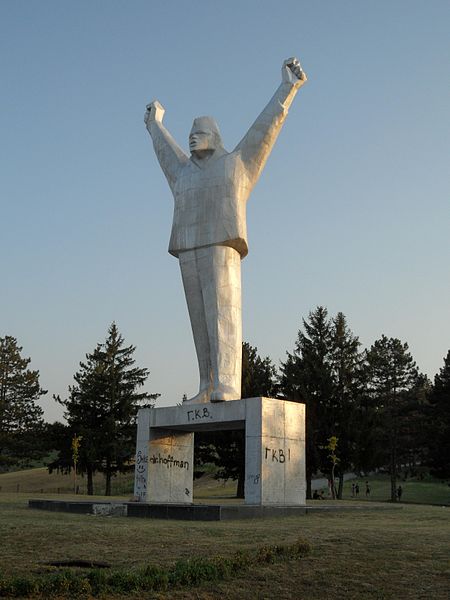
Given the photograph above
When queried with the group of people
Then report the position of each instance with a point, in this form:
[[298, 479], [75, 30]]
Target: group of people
[[319, 494], [355, 490]]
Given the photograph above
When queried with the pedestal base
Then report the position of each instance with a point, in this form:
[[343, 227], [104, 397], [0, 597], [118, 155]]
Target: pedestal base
[[274, 449]]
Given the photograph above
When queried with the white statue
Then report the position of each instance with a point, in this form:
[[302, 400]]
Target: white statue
[[209, 233]]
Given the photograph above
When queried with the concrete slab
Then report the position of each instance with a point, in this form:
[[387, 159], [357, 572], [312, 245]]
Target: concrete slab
[[197, 512], [81, 507]]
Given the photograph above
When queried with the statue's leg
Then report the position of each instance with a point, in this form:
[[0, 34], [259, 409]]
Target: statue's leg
[[194, 299], [220, 274]]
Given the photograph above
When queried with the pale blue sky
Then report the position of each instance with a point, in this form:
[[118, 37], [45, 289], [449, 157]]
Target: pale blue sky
[[352, 211]]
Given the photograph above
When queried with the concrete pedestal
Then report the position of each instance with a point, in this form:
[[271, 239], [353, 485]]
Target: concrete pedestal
[[274, 449]]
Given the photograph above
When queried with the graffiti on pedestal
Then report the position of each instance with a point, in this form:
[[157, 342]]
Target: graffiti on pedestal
[[277, 455], [140, 482], [199, 414], [255, 479], [141, 461], [169, 461]]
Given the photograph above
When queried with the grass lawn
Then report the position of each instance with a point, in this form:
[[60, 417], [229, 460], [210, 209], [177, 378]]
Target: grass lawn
[[398, 553], [428, 491], [38, 480]]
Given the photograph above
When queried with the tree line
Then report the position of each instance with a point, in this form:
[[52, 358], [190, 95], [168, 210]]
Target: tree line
[[366, 409]]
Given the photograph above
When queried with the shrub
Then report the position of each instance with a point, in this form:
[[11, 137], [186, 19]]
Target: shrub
[[66, 583], [187, 573], [193, 571], [154, 578]]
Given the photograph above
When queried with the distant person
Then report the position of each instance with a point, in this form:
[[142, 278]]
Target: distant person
[[367, 489], [353, 490], [357, 490], [321, 496], [316, 495], [399, 493]]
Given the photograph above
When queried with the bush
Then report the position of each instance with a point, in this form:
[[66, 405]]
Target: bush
[[154, 578], [193, 571], [66, 583], [186, 573]]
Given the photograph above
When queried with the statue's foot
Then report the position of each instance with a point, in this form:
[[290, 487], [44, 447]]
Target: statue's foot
[[224, 392], [201, 397]]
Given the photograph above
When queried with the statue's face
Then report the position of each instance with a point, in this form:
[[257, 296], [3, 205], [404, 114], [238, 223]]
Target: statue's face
[[201, 140], [204, 136]]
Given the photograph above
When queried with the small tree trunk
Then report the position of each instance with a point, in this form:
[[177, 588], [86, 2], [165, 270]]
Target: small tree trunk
[[341, 486], [309, 453], [332, 485], [308, 487], [90, 481], [393, 468], [393, 487], [240, 492], [108, 478]]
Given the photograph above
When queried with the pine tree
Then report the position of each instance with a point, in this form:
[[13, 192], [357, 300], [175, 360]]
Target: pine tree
[[259, 377], [413, 430], [439, 429], [348, 385], [20, 416], [102, 408], [307, 376], [393, 377]]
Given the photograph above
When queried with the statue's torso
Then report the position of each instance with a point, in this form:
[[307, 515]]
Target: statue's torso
[[210, 205]]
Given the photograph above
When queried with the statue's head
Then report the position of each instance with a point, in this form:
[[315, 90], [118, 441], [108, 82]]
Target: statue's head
[[205, 135]]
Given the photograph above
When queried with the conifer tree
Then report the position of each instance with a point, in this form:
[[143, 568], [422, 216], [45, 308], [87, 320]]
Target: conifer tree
[[439, 423], [259, 376], [347, 363], [393, 377], [102, 408], [20, 416], [307, 376]]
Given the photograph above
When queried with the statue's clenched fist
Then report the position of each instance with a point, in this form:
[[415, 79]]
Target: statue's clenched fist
[[292, 72], [155, 112], [209, 232]]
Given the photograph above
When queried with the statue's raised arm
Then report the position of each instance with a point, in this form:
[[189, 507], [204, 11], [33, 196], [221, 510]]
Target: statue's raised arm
[[256, 145], [170, 156], [209, 231]]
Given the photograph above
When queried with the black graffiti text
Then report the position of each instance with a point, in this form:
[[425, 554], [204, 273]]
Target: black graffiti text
[[278, 455], [169, 461], [198, 414], [141, 462]]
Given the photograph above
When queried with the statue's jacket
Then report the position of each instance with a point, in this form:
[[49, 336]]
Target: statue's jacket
[[210, 198]]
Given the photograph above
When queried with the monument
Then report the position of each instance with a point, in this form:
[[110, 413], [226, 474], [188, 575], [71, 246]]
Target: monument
[[209, 237]]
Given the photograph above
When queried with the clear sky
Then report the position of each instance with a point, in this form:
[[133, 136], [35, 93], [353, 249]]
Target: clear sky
[[351, 212]]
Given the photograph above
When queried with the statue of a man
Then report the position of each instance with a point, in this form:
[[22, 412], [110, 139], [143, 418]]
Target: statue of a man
[[209, 233]]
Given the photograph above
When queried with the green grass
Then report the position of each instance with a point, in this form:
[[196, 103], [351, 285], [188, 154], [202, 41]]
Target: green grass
[[187, 573], [398, 553], [39, 481], [430, 491]]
